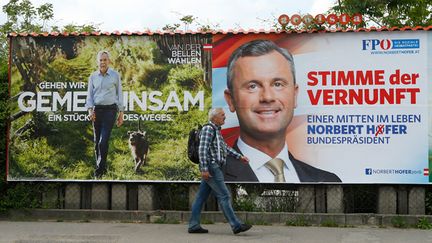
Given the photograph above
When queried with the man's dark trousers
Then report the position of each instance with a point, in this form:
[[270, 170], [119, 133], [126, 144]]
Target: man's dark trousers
[[102, 126]]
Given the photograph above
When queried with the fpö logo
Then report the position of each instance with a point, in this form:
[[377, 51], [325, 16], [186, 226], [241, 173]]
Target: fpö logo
[[389, 44], [371, 171]]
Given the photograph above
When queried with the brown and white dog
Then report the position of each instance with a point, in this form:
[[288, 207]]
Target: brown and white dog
[[139, 147]]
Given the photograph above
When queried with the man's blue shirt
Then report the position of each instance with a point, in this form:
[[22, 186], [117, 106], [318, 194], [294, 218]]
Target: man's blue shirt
[[104, 89]]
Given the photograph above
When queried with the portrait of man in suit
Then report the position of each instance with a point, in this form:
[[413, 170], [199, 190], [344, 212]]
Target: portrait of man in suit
[[262, 90]]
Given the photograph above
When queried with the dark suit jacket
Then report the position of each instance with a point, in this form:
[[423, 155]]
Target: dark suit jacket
[[235, 170]]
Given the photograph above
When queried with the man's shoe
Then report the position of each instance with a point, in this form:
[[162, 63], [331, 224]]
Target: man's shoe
[[97, 175], [198, 231], [242, 228]]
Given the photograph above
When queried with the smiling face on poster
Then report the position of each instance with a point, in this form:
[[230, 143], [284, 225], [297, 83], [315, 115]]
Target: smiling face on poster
[[263, 94], [362, 107]]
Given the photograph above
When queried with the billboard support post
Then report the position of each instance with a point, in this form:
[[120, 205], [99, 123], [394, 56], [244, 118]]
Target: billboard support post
[[72, 196], [306, 194], [50, 198], [386, 200], [100, 196], [118, 197], [416, 201], [335, 199], [146, 197]]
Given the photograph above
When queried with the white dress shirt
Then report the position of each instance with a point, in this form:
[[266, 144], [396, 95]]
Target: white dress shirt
[[257, 160]]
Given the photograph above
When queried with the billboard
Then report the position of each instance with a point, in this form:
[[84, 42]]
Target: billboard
[[349, 107], [361, 106], [159, 82]]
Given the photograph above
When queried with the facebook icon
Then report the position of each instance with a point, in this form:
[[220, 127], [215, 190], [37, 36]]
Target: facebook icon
[[368, 171]]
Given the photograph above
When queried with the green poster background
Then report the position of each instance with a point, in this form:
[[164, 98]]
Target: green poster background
[[46, 145]]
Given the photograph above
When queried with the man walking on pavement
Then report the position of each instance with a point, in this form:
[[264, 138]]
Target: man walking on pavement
[[212, 155]]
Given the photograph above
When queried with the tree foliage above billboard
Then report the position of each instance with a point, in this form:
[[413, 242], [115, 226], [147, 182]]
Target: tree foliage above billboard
[[393, 13]]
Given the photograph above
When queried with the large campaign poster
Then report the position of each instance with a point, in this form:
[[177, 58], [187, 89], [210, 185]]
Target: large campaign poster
[[361, 108], [166, 91], [361, 112]]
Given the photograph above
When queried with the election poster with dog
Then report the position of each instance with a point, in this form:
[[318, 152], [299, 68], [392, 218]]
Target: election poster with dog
[[361, 103], [165, 91]]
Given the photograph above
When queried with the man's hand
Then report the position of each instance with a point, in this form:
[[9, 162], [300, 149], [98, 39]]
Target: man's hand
[[91, 115], [244, 159], [205, 175], [120, 119]]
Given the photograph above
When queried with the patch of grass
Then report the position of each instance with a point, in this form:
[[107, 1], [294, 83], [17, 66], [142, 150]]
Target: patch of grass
[[172, 221], [424, 223], [206, 221], [329, 223], [399, 222], [300, 221], [159, 221], [246, 204]]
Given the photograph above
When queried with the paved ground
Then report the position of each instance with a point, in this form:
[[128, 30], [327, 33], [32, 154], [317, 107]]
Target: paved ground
[[53, 232]]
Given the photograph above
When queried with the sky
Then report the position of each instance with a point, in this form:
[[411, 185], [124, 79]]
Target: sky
[[139, 15]]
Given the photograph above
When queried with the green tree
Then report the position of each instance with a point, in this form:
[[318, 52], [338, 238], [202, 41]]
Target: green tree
[[4, 113], [189, 20], [206, 26], [390, 13], [171, 27], [69, 28], [21, 16]]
